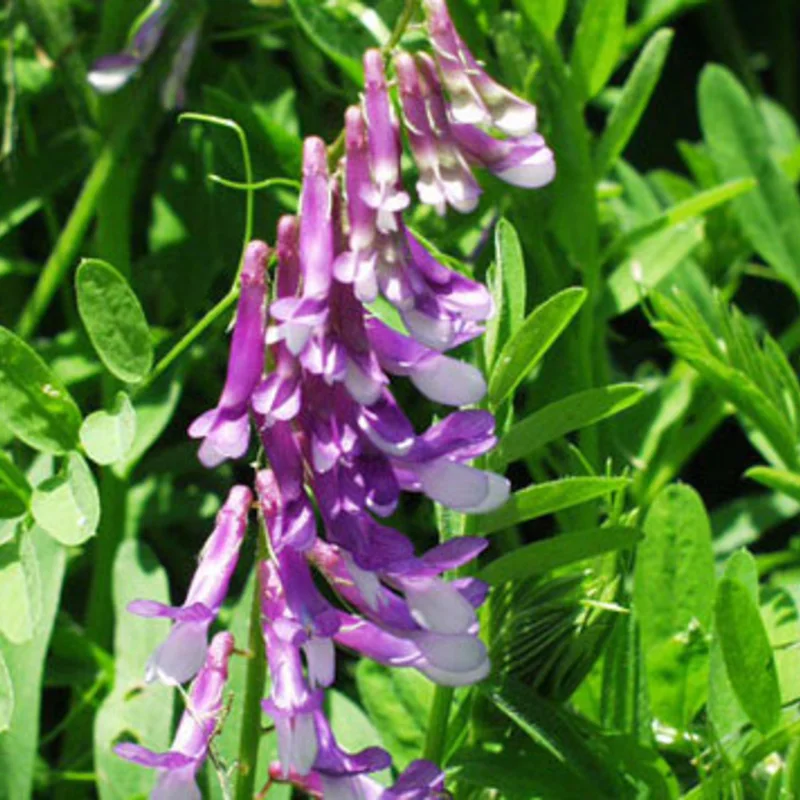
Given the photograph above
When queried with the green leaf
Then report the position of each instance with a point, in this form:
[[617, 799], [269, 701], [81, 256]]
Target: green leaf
[[114, 320], [154, 409], [15, 491], [506, 280], [737, 140], [648, 264], [552, 727], [546, 498], [598, 43], [34, 404], [673, 598], [353, 729], [133, 711], [558, 551], [749, 661], [67, 505], [344, 30], [693, 206], [780, 480], [19, 745], [34, 179], [564, 416], [398, 703], [547, 14], [20, 587], [633, 100], [6, 696], [107, 436], [534, 338]]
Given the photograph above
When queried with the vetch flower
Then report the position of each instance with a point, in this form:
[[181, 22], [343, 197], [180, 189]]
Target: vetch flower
[[225, 430], [180, 765], [476, 99], [183, 652]]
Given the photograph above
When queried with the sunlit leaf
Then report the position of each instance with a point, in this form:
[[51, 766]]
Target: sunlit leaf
[[107, 436], [114, 320], [34, 404]]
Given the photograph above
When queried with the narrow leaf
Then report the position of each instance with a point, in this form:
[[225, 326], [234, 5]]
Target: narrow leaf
[[746, 650], [506, 280], [524, 351], [558, 551], [67, 505], [107, 436], [635, 96], [598, 43], [34, 404], [564, 416], [547, 14], [780, 480], [114, 320], [546, 498]]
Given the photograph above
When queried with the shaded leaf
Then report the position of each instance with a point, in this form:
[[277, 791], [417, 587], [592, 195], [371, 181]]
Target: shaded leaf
[[114, 320], [636, 94], [598, 43], [15, 491], [6, 696]]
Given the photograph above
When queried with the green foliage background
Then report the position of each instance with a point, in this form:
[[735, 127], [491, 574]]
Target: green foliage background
[[643, 620]]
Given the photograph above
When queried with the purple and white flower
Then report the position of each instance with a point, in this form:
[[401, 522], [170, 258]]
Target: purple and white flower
[[183, 652]]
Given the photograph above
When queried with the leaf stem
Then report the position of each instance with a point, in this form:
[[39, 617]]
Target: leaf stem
[[189, 338], [436, 735], [250, 736]]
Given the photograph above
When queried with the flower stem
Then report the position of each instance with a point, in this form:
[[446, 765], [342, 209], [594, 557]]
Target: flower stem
[[436, 736], [250, 736]]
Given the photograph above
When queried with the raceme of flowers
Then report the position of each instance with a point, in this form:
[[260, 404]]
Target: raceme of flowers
[[339, 448]]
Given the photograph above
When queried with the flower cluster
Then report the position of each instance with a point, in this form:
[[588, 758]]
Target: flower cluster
[[339, 449]]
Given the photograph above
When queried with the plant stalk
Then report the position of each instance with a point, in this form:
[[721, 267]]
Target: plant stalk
[[255, 680], [436, 736]]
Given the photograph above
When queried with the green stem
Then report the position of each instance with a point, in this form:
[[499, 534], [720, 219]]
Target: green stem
[[68, 244], [255, 680], [211, 316], [436, 736], [402, 23]]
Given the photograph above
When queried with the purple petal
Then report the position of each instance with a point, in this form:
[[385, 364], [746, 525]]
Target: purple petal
[[110, 73], [137, 754], [455, 553]]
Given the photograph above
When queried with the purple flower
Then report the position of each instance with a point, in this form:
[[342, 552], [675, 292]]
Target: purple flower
[[420, 780], [225, 430], [476, 99], [179, 766], [110, 73], [523, 161], [386, 195], [438, 377], [183, 652], [445, 177]]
